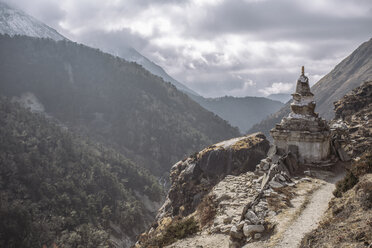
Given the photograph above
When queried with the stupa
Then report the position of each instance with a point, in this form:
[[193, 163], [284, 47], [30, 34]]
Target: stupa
[[303, 132]]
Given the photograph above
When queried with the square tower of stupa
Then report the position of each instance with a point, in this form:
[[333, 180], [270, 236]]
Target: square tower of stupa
[[303, 131]]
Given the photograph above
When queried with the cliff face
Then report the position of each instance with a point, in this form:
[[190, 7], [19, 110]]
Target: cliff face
[[193, 178], [353, 120]]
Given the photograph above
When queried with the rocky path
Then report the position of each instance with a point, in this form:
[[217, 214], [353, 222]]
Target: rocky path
[[310, 216]]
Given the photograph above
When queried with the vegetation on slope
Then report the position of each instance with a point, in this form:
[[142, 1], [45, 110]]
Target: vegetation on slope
[[58, 188], [348, 220], [114, 101]]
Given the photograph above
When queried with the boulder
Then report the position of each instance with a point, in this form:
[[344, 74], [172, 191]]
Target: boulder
[[236, 233], [248, 230], [252, 217], [275, 185]]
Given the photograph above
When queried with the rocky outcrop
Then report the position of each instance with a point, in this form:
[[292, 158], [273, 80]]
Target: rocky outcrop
[[352, 127], [194, 177]]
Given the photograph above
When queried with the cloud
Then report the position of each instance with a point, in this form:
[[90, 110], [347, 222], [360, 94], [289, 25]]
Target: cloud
[[277, 88], [218, 47]]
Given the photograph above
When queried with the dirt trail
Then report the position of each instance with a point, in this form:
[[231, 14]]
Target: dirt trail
[[310, 216]]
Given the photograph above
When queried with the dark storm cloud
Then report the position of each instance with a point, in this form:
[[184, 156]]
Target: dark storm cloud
[[218, 47], [114, 42], [281, 19]]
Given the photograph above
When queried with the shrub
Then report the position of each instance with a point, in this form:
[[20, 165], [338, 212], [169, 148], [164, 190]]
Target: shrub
[[358, 168], [178, 230], [207, 210]]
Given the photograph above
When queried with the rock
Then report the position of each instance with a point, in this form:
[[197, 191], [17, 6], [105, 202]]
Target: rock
[[342, 154], [271, 213], [252, 217], [234, 244], [257, 235], [272, 151], [309, 173], [258, 180], [275, 184], [223, 197], [236, 233], [227, 220], [265, 180], [225, 229], [305, 179], [266, 167], [290, 160], [249, 229], [240, 225]]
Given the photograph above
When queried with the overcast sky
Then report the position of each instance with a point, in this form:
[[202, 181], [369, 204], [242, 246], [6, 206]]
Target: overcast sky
[[219, 47]]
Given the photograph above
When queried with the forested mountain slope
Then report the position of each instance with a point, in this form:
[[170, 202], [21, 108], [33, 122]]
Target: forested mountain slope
[[110, 99], [59, 188]]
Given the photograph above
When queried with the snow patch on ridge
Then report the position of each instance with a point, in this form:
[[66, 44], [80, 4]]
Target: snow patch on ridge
[[15, 22]]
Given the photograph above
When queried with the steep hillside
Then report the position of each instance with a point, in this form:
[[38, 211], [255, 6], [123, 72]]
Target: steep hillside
[[58, 188], [347, 75], [15, 22], [114, 101], [242, 112], [348, 221]]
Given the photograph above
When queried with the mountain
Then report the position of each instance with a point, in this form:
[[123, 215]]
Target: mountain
[[119, 103], [15, 22], [348, 74], [242, 112], [63, 189], [133, 55], [282, 97]]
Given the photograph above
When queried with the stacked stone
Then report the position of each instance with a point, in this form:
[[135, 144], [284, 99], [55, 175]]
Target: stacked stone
[[303, 128]]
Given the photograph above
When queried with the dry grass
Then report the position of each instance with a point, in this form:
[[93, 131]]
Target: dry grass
[[348, 221], [207, 211], [282, 200]]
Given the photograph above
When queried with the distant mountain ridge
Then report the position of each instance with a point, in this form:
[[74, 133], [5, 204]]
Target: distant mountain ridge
[[347, 75], [16, 22], [282, 97], [133, 55], [242, 112]]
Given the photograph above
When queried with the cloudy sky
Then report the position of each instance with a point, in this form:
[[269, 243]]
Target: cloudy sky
[[219, 47]]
